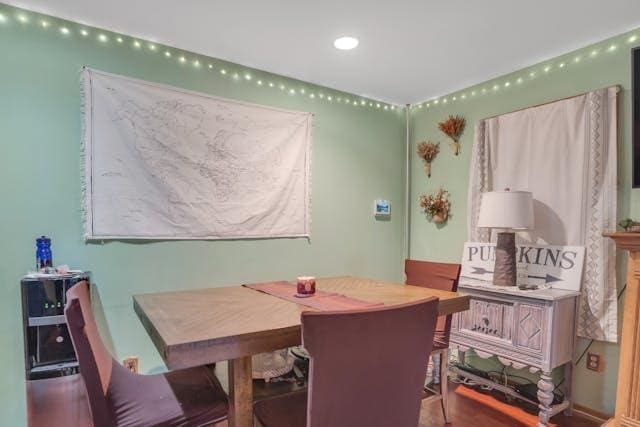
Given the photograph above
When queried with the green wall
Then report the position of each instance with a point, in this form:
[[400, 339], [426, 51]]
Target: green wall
[[357, 157], [358, 154], [603, 64]]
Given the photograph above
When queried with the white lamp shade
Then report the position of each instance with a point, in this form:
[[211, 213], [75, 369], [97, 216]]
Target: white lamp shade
[[506, 209]]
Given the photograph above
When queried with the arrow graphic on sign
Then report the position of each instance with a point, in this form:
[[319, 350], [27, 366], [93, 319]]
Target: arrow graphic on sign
[[547, 278]]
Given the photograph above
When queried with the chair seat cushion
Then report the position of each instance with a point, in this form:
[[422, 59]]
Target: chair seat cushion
[[287, 410], [188, 397]]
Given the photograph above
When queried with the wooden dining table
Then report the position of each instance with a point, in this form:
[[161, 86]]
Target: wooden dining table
[[203, 326]]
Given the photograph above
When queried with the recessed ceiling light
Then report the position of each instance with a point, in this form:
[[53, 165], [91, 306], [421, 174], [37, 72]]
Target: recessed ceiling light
[[346, 43]]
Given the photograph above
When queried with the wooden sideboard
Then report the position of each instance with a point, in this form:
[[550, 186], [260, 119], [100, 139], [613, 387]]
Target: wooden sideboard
[[523, 329], [628, 392]]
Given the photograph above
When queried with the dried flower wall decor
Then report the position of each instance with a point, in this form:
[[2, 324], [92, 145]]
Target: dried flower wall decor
[[436, 205], [453, 127], [428, 151]]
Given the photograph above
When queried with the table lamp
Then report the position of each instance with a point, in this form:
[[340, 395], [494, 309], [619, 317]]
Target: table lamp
[[508, 211]]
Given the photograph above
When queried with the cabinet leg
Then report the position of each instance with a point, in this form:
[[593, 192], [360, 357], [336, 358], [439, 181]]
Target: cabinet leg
[[545, 397], [568, 380]]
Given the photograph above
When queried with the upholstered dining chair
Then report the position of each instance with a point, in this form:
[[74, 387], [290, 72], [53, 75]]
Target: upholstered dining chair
[[119, 397], [445, 277], [365, 369]]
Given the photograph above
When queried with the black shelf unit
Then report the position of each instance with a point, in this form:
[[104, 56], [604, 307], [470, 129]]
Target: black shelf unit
[[48, 351]]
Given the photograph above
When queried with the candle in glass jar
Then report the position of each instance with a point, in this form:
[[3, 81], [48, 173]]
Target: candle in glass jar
[[306, 285]]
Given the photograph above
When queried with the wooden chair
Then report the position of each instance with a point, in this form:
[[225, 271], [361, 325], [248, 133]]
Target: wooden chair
[[118, 397], [366, 369], [445, 277]]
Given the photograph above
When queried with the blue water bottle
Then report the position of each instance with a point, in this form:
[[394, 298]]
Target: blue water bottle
[[43, 252]]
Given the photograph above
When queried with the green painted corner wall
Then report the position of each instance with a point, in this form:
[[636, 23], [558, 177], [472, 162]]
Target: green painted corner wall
[[358, 154], [596, 66]]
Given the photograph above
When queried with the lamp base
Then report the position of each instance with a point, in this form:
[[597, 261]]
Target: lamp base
[[504, 271]]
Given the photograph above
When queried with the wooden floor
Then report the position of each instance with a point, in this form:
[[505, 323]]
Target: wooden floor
[[62, 402]]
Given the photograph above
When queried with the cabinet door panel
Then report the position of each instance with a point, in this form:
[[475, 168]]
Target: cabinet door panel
[[529, 333]]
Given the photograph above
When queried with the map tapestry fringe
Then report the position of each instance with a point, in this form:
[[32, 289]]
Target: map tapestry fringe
[[165, 163]]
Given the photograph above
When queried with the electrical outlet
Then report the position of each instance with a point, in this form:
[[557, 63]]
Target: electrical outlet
[[593, 362], [131, 363]]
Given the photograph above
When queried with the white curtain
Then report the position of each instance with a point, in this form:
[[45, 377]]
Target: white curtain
[[565, 153]]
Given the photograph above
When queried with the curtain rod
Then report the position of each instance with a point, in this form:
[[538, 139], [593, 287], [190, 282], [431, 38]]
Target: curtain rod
[[617, 87]]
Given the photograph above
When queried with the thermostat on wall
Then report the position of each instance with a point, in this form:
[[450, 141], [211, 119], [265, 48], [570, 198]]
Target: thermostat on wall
[[382, 208]]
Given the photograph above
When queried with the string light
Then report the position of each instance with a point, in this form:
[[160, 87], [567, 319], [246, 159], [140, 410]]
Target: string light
[[547, 68], [632, 39], [561, 65], [594, 52], [532, 74], [612, 48], [519, 81], [507, 84], [577, 59], [138, 44]]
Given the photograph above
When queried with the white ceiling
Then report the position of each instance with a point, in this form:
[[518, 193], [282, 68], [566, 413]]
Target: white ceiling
[[410, 50]]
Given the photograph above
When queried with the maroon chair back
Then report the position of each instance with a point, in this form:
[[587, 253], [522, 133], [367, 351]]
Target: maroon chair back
[[367, 366], [94, 359], [435, 275]]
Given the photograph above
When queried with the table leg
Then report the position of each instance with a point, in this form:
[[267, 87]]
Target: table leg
[[240, 393]]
